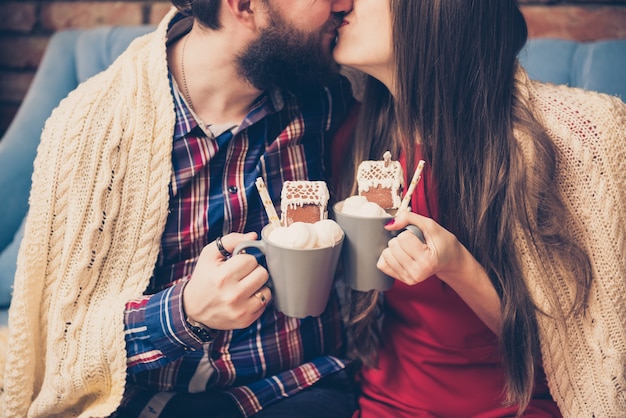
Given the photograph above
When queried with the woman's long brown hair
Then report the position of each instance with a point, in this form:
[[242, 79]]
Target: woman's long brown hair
[[455, 94]]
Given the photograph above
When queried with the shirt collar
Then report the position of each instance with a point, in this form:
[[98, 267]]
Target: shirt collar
[[186, 121]]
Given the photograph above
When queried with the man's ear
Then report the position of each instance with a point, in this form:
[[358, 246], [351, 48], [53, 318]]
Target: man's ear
[[247, 12]]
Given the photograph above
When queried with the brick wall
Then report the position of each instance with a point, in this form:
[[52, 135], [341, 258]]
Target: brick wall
[[26, 26]]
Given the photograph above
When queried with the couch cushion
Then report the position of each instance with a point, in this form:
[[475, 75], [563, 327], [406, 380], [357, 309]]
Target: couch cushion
[[98, 47], [597, 66]]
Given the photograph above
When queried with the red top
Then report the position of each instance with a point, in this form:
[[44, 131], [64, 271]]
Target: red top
[[439, 359]]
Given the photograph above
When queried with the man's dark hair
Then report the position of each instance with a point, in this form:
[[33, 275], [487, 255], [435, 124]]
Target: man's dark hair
[[205, 11]]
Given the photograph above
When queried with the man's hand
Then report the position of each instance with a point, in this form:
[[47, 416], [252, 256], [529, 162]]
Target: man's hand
[[226, 294]]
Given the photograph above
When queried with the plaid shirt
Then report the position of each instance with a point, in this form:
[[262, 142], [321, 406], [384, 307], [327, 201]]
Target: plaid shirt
[[212, 193]]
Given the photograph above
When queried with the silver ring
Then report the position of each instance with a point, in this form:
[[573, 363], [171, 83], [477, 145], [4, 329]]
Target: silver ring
[[221, 249], [261, 297]]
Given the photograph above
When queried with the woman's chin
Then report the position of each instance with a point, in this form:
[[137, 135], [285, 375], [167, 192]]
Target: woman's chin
[[343, 60], [338, 56]]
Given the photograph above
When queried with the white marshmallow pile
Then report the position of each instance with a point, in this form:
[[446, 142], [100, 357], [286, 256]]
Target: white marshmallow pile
[[302, 235], [360, 206]]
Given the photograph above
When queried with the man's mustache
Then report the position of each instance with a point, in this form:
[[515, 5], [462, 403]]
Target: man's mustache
[[333, 23]]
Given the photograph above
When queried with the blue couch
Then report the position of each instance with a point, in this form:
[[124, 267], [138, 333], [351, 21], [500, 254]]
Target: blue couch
[[598, 66], [72, 56]]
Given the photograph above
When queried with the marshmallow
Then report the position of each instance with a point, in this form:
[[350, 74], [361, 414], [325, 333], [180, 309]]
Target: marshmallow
[[328, 233], [360, 206], [280, 236], [302, 235]]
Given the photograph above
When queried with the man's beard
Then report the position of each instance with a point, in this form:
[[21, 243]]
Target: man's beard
[[285, 58]]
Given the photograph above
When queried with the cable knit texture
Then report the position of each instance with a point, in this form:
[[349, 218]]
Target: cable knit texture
[[584, 355], [98, 207], [99, 204]]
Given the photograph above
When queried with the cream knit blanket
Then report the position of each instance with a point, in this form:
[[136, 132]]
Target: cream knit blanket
[[98, 207], [584, 356]]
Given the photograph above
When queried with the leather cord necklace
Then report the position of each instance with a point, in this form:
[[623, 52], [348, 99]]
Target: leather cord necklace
[[182, 68]]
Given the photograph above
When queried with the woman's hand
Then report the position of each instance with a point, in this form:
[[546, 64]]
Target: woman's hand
[[412, 261]]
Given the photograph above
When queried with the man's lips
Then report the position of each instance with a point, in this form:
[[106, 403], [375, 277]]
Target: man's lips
[[334, 23], [332, 27]]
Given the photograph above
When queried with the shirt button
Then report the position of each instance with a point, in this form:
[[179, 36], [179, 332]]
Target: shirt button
[[232, 189]]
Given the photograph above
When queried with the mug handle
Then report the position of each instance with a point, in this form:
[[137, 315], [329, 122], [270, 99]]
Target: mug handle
[[415, 231], [258, 244]]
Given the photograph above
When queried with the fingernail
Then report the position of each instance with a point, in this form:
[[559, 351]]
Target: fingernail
[[391, 222]]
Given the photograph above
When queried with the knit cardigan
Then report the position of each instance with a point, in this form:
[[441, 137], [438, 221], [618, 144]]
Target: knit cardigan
[[584, 356], [99, 203], [98, 207]]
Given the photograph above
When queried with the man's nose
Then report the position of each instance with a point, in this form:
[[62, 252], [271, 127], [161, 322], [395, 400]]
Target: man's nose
[[342, 6]]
